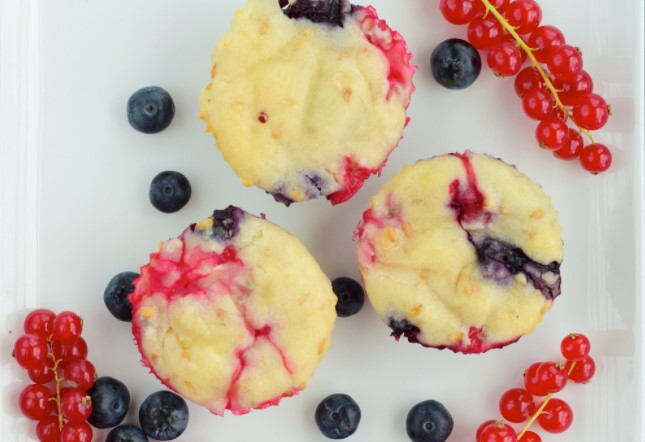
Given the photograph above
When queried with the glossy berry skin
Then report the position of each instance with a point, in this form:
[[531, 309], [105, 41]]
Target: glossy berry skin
[[572, 148], [126, 433], [455, 64], [68, 327], [76, 405], [429, 421], [543, 39], [481, 428], [458, 12], [69, 352], [552, 133], [110, 401], [115, 295], [582, 371], [571, 90], [527, 79], [484, 32], [556, 416], [351, 296], [34, 402], [82, 373], [591, 112], [524, 15], [595, 158], [337, 416], [504, 59], [31, 351], [531, 381], [516, 405], [169, 191], [76, 432], [47, 429], [163, 415], [575, 346], [498, 432], [40, 322], [41, 375], [500, 5], [564, 62], [538, 103], [530, 436], [553, 377], [150, 110]]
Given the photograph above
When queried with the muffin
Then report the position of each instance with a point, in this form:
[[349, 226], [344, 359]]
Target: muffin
[[233, 314], [461, 251], [307, 98]]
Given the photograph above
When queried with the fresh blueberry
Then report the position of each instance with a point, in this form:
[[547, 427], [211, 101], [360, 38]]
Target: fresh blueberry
[[116, 294], [429, 421], [331, 12], [150, 110], [351, 296], [126, 433], [169, 191], [163, 415], [455, 63], [110, 402], [338, 416]]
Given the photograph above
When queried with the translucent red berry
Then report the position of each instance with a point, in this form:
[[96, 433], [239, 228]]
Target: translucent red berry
[[591, 111], [556, 416], [543, 39], [68, 327], [504, 59], [498, 432], [575, 346], [552, 133], [500, 5], [42, 374], [530, 436], [48, 430], [76, 405], [571, 90], [69, 352], [564, 62], [524, 15], [76, 432], [532, 382], [485, 32], [31, 351], [538, 103], [516, 405], [572, 148], [528, 78], [552, 376], [40, 322], [81, 372], [458, 12], [581, 371], [481, 428], [595, 158], [35, 402]]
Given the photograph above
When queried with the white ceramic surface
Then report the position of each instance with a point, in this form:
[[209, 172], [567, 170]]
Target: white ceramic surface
[[74, 209]]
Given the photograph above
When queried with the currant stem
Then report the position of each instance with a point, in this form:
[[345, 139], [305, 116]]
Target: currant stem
[[57, 380], [536, 64], [537, 412]]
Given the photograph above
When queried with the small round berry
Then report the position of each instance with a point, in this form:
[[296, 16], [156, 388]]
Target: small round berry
[[500, 5], [69, 352], [351, 296], [543, 39], [48, 430], [516, 405], [42, 374], [110, 402], [68, 327], [564, 62], [570, 91], [458, 12], [76, 432], [572, 148], [481, 428], [455, 64], [532, 382], [524, 15], [76, 405], [82, 373], [163, 415], [504, 59], [595, 158], [429, 421], [498, 432], [116, 294], [552, 376], [556, 416], [126, 433], [40, 322], [552, 133], [538, 103], [337, 416], [530, 436], [527, 79], [582, 370], [485, 32], [591, 112], [150, 110], [31, 351], [575, 346], [35, 402], [169, 191]]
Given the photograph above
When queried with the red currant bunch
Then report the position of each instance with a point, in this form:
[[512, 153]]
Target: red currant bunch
[[555, 90], [541, 380], [55, 357]]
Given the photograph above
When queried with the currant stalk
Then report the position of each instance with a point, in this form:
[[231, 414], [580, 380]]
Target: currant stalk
[[529, 52], [57, 379]]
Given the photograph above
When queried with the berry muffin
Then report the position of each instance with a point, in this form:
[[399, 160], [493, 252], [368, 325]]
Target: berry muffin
[[461, 251], [233, 314], [308, 98]]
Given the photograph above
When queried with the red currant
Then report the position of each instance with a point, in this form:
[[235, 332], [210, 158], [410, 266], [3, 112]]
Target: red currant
[[498, 432], [82, 373], [552, 133], [76, 432], [570, 91], [552, 376], [530, 436], [69, 352], [68, 327], [516, 405], [556, 416], [76, 405], [528, 78], [458, 12], [481, 428], [595, 158], [40, 322], [500, 5], [572, 148], [524, 15], [591, 111], [42, 374], [504, 59], [582, 371], [35, 402], [31, 351], [485, 32], [538, 103], [531, 381], [564, 62], [48, 429], [575, 346], [543, 39]]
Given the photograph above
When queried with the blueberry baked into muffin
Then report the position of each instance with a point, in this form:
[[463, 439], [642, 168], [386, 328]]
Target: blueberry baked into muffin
[[307, 98], [461, 251], [233, 314]]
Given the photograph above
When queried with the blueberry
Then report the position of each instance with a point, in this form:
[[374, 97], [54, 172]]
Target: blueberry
[[403, 327], [126, 433], [226, 223], [455, 63], [338, 416], [110, 402], [116, 294], [150, 110], [331, 12], [163, 415], [351, 296], [169, 191], [429, 421]]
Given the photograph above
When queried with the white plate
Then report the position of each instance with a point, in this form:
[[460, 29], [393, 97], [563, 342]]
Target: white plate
[[75, 210]]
